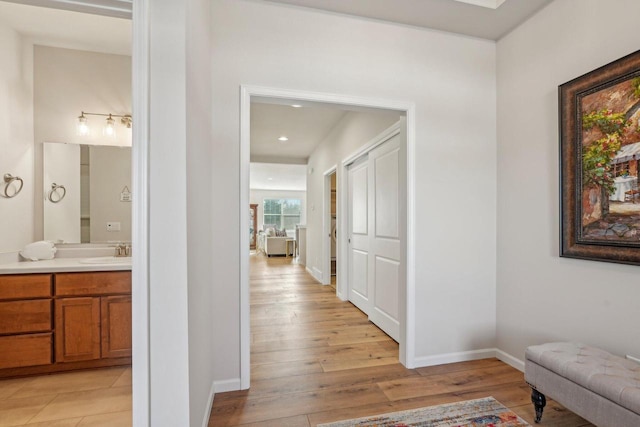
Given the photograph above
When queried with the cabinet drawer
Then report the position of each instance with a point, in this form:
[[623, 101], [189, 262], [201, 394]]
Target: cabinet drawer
[[101, 283], [25, 350], [23, 286], [25, 316]]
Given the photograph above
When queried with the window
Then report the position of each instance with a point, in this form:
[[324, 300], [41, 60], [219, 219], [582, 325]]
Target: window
[[284, 213], [621, 169]]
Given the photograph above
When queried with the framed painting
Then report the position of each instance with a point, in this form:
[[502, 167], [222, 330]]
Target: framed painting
[[600, 162]]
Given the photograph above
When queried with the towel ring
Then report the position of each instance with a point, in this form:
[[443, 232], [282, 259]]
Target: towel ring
[[8, 179], [54, 189]]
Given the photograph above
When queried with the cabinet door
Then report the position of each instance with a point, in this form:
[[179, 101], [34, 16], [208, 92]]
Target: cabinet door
[[77, 333], [116, 326]]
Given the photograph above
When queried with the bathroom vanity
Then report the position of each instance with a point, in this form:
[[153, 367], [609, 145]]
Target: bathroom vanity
[[62, 315]]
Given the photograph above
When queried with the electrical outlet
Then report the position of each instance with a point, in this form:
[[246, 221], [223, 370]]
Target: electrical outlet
[[113, 226]]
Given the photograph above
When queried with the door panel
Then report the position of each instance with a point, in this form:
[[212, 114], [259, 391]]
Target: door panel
[[358, 208], [385, 312], [384, 242], [359, 201], [386, 195], [360, 263], [116, 326], [77, 332]]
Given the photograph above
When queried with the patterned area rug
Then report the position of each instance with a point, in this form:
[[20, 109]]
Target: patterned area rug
[[486, 412]]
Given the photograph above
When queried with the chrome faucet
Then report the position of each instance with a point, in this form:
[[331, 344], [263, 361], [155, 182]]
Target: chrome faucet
[[123, 250]]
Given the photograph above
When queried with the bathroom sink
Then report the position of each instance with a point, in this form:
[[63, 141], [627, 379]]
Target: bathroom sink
[[106, 260]]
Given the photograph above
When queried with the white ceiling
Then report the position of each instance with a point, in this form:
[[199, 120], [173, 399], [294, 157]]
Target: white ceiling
[[72, 30], [489, 19], [305, 127], [272, 176]]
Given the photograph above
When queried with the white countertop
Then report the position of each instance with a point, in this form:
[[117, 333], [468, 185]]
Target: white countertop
[[60, 265]]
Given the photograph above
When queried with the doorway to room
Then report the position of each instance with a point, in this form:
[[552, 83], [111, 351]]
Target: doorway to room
[[330, 223], [69, 69], [319, 230]]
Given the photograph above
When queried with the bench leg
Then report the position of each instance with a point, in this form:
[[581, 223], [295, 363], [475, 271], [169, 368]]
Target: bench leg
[[539, 401]]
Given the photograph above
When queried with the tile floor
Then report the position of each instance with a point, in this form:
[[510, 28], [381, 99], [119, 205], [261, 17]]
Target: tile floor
[[100, 397]]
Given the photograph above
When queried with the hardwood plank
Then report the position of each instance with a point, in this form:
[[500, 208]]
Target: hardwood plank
[[554, 415], [298, 421], [507, 394], [462, 366], [316, 359], [450, 383], [325, 381], [244, 411], [288, 369]]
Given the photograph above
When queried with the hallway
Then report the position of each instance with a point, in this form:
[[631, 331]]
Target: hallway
[[316, 359]]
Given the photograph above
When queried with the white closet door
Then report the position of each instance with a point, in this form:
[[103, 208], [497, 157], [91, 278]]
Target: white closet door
[[375, 230], [384, 238], [359, 226]]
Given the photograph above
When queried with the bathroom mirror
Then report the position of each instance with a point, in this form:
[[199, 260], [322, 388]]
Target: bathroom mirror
[[86, 190]]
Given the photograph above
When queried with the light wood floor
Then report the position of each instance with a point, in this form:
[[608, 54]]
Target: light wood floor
[[93, 398], [316, 359]]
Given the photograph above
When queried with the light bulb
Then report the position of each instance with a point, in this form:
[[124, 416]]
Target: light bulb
[[109, 129], [82, 128]]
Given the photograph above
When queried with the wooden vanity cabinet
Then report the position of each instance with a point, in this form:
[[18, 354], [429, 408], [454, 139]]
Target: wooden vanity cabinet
[[93, 316], [64, 321], [26, 336], [77, 329], [116, 326]]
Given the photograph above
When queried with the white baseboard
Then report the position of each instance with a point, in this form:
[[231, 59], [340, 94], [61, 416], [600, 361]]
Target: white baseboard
[[462, 356], [510, 360], [226, 385], [315, 273], [207, 414]]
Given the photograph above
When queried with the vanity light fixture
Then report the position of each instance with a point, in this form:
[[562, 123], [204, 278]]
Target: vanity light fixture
[[296, 105], [109, 130], [82, 128]]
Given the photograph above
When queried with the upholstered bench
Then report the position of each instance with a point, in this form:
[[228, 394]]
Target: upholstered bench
[[600, 387]]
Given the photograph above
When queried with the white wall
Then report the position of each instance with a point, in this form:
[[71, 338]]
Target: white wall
[[110, 172], [351, 133], [16, 139], [68, 81], [180, 201], [199, 209], [450, 78], [258, 196], [169, 333], [542, 297]]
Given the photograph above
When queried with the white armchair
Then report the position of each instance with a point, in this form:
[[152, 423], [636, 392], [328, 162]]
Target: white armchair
[[275, 245]]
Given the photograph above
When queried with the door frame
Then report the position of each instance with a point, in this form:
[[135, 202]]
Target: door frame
[[326, 225], [141, 394], [407, 329]]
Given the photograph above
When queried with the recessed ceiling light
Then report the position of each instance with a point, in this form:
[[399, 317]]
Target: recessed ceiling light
[[283, 138], [270, 179], [296, 105]]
